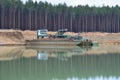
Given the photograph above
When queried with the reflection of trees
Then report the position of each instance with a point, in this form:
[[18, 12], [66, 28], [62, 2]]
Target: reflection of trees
[[82, 66]]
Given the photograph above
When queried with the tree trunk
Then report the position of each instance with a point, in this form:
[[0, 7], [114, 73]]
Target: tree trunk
[[19, 19], [2, 17], [36, 20], [71, 21], [14, 18], [29, 23], [46, 13]]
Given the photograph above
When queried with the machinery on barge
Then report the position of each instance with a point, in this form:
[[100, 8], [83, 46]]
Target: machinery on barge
[[59, 39]]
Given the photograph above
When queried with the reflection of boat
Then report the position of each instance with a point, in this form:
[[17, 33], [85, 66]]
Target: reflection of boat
[[62, 56], [54, 49], [60, 53], [42, 55]]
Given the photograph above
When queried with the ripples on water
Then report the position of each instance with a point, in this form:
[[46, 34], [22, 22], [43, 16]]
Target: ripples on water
[[97, 63]]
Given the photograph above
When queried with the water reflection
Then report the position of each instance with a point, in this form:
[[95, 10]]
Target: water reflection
[[9, 53], [59, 53], [42, 55], [60, 64]]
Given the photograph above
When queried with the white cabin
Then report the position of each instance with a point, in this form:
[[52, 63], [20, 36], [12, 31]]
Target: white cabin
[[42, 33]]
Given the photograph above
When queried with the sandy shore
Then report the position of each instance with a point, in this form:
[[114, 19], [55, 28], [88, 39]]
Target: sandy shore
[[18, 37]]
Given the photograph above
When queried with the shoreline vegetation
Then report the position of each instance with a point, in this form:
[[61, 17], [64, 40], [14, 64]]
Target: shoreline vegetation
[[19, 37]]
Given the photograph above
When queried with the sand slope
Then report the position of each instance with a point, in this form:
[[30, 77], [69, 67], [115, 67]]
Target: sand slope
[[11, 37], [18, 36]]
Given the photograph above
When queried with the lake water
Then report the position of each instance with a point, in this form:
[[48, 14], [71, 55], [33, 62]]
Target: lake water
[[60, 63]]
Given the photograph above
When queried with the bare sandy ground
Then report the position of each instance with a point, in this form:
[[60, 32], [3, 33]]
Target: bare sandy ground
[[19, 37]]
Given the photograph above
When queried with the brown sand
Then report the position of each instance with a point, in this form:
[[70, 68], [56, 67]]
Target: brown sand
[[11, 37], [19, 37]]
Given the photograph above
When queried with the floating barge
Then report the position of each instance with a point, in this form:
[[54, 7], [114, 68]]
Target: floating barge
[[59, 39], [53, 42], [59, 42]]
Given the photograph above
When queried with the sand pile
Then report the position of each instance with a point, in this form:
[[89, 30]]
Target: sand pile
[[11, 36], [29, 35], [18, 36], [71, 34], [52, 33]]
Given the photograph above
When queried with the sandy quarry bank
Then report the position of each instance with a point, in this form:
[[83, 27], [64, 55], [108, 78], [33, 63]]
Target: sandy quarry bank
[[19, 36]]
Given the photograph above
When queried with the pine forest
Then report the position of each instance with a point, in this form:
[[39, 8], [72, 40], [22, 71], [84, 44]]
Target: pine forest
[[14, 14]]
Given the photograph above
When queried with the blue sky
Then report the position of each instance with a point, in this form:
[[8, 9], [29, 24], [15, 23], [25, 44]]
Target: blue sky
[[83, 2]]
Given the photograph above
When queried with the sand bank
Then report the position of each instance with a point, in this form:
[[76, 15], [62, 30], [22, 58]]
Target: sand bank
[[18, 37]]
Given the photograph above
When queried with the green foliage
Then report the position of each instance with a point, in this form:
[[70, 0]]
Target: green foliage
[[61, 8], [78, 18]]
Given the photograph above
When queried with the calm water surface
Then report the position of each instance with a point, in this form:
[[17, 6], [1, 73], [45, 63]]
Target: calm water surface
[[54, 63]]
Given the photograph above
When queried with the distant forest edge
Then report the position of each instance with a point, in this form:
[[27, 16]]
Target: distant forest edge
[[36, 15]]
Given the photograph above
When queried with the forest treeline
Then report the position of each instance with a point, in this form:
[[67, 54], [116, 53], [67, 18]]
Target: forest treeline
[[14, 14]]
